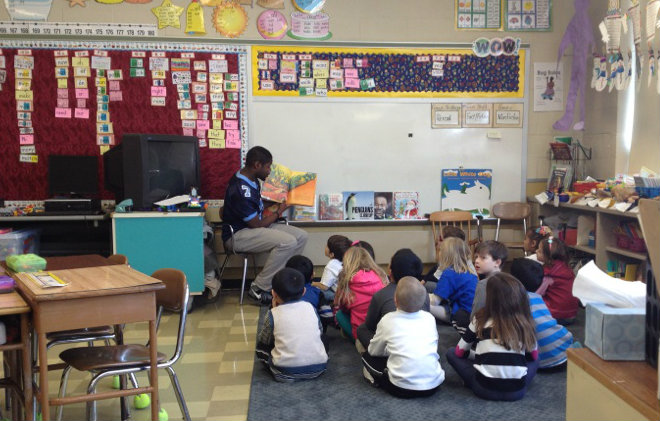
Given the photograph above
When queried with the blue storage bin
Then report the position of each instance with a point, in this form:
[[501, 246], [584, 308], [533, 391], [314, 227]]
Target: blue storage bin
[[649, 192]]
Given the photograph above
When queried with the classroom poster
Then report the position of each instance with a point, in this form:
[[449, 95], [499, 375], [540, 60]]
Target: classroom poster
[[528, 15], [483, 14], [467, 190], [548, 86]]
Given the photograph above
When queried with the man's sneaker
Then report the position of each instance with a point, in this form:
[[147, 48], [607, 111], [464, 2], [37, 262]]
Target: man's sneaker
[[263, 297]]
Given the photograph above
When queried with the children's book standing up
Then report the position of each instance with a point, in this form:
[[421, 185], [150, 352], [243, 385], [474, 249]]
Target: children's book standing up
[[294, 187], [303, 213], [467, 190], [359, 205], [331, 207], [560, 178], [383, 208], [406, 204]]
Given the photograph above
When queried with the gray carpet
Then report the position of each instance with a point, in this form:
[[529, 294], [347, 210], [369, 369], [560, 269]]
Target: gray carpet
[[341, 393]]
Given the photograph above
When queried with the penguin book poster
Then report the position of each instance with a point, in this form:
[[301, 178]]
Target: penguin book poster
[[359, 205]]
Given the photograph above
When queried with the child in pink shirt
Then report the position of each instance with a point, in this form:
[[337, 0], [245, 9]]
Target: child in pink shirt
[[358, 281]]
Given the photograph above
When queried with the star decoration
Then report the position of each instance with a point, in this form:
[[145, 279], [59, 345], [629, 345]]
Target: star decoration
[[168, 14], [80, 3]]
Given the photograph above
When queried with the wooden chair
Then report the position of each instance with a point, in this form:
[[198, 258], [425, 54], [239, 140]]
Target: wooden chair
[[459, 219], [118, 259], [106, 361], [511, 211]]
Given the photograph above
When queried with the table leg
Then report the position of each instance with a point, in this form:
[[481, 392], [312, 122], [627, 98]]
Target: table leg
[[27, 367], [153, 351], [43, 377]]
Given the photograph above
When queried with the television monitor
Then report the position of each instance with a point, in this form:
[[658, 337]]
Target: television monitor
[[73, 175], [151, 167]]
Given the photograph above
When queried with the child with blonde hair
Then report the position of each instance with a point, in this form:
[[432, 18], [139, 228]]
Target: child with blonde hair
[[451, 301], [506, 356], [359, 280]]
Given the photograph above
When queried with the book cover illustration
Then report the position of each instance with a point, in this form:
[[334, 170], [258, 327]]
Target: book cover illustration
[[561, 151], [331, 207], [294, 187], [383, 207], [406, 205], [303, 213], [467, 190], [560, 178], [359, 205]]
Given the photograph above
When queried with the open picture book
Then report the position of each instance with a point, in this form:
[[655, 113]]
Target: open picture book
[[292, 187]]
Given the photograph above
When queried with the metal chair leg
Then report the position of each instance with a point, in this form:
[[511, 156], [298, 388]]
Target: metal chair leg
[[179, 394], [63, 384], [245, 265]]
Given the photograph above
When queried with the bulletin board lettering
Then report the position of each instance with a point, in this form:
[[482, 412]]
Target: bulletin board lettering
[[385, 72]]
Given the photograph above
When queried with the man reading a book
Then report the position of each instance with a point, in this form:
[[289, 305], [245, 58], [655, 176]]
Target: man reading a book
[[255, 232]]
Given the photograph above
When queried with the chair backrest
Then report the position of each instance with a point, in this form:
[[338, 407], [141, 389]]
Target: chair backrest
[[459, 219], [118, 259], [511, 210], [174, 297]]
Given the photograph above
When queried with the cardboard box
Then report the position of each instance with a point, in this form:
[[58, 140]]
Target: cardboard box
[[615, 333]]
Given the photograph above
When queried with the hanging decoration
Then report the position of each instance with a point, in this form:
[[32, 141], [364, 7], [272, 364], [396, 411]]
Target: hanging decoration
[[195, 19], [167, 14], [309, 6], [271, 4], [578, 33], [230, 19], [307, 26], [272, 24], [80, 3]]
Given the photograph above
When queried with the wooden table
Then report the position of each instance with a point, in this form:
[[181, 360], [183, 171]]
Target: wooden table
[[12, 303], [610, 390], [95, 296]]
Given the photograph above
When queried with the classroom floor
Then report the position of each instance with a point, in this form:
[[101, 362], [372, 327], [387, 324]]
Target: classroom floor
[[214, 371]]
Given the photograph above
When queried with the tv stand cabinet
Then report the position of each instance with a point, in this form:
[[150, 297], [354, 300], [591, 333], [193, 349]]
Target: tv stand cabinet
[[65, 235], [156, 240]]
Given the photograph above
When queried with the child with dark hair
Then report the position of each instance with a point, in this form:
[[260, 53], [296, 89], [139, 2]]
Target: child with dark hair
[[290, 342], [557, 286], [488, 259], [402, 357], [533, 238], [505, 358], [403, 263], [363, 244], [335, 248], [553, 339], [312, 294]]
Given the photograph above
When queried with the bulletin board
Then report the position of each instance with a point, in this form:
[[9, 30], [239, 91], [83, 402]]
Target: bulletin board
[[42, 116], [385, 72]]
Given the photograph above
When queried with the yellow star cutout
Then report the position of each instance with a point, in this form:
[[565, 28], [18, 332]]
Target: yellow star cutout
[[77, 3], [168, 14]]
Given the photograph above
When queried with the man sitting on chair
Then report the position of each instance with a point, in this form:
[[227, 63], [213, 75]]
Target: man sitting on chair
[[253, 232]]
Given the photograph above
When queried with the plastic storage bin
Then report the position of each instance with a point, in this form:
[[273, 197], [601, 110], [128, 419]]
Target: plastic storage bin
[[19, 242]]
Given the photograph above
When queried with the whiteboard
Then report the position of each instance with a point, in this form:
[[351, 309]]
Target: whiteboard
[[366, 145]]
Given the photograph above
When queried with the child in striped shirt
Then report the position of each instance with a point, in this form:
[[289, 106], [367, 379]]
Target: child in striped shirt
[[505, 358], [553, 338]]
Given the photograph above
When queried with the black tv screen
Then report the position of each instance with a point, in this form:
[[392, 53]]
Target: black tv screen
[[73, 175], [149, 167]]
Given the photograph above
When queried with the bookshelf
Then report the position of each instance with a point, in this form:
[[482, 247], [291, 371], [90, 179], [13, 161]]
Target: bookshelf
[[605, 221]]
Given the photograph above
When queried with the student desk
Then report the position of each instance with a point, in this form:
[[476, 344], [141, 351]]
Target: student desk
[[609, 390], [12, 303], [95, 296]]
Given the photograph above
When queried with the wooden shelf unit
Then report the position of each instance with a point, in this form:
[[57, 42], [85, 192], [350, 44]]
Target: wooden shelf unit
[[606, 220]]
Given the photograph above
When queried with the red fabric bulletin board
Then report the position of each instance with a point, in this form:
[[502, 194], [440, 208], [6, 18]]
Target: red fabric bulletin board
[[134, 113]]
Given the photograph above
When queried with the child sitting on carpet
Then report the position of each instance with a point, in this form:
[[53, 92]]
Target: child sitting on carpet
[[312, 295], [402, 357], [557, 286], [335, 248], [451, 301], [553, 338], [289, 341], [505, 359], [360, 279]]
